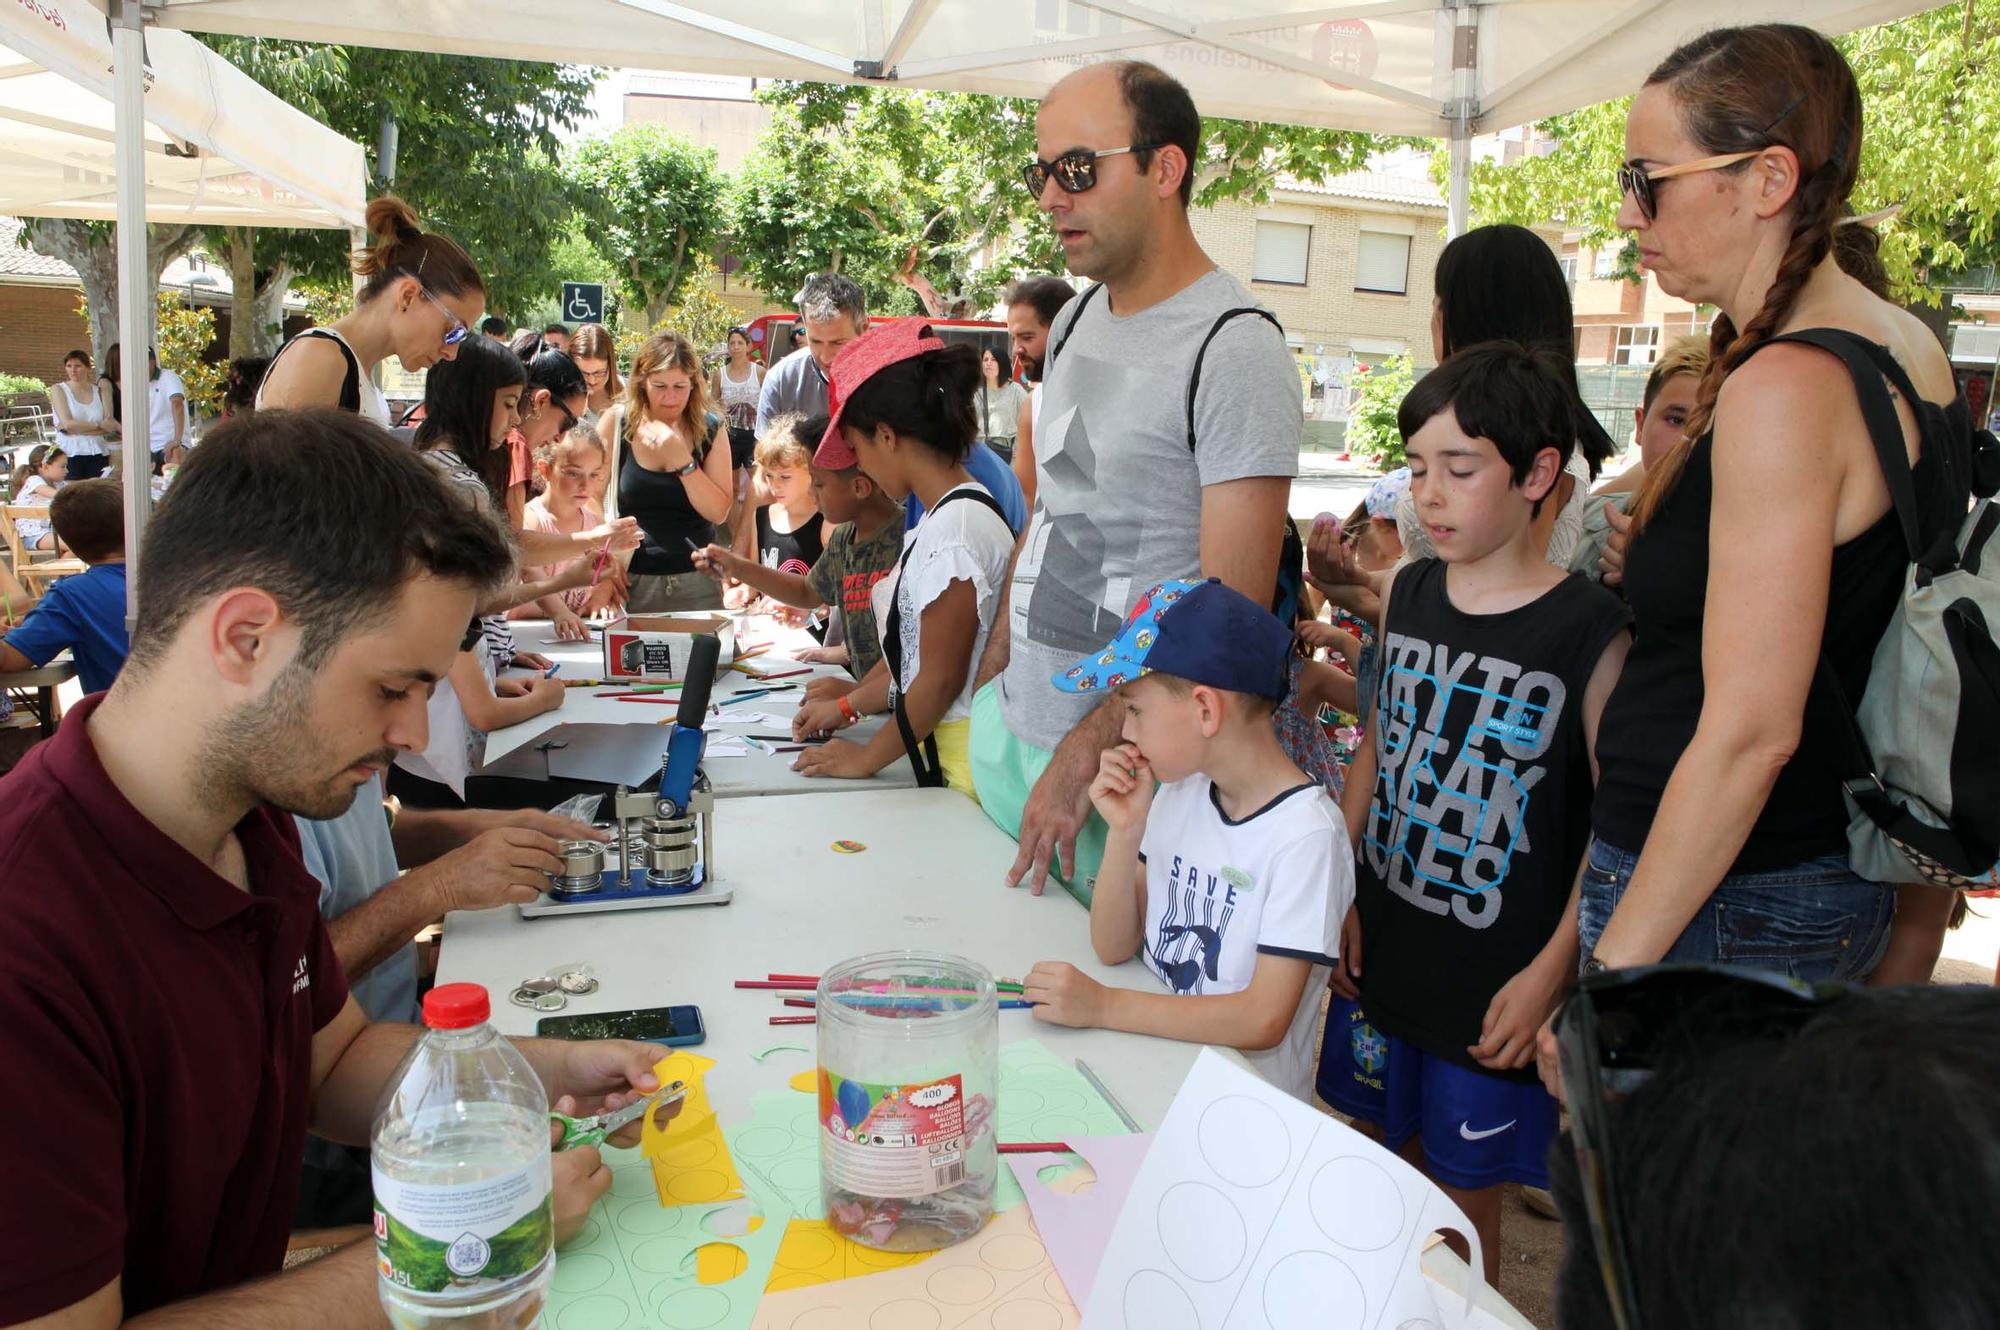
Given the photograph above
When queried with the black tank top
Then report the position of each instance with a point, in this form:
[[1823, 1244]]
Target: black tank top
[[1652, 712], [1481, 806], [794, 551], [667, 517]]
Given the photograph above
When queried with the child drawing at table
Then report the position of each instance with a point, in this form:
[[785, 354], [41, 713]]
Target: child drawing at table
[[572, 470], [1229, 881], [84, 614], [861, 549], [904, 415]]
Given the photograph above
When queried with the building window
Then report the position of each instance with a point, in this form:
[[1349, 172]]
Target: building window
[[1282, 251], [1568, 262], [1606, 264], [1382, 263], [1636, 345]]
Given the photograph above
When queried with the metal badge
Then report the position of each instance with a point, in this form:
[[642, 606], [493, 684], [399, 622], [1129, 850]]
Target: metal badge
[[551, 1002], [545, 984], [577, 982]]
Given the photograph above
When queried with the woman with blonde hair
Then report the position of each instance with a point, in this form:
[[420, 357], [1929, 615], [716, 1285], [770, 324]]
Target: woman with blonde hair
[[668, 472], [421, 299], [595, 352]]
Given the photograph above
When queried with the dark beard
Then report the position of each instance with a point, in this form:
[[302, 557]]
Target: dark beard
[[265, 751]]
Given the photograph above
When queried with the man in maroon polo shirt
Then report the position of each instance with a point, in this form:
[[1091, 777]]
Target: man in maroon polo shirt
[[173, 1018]]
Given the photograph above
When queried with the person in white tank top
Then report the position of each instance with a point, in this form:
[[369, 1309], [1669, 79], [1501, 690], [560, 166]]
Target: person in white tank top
[[82, 417]]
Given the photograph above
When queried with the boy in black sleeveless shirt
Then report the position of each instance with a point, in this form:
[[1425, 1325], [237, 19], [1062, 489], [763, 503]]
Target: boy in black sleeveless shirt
[[1469, 804]]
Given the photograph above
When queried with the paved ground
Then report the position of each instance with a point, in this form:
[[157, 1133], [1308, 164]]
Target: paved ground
[[1328, 485]]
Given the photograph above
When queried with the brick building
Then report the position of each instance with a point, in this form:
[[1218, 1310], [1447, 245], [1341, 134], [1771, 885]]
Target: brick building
[[40, 322], [1346, 266]]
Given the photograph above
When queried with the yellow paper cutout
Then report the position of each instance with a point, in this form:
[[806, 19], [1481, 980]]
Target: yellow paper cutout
[[691, 1163], [719, 1262], [998, 1279], [806, 1082], [814, 1253]]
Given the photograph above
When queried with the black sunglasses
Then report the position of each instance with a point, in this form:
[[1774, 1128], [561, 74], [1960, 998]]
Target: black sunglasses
[[1075, 171], [1621, 1024], [1635, 180]]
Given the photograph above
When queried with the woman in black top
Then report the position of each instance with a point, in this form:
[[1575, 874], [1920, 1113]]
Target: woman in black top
[[1765, 542], [667, 472]]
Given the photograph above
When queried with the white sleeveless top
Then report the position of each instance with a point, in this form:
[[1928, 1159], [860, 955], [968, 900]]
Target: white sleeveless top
[[81, 445], [739, 396], [374, 406]]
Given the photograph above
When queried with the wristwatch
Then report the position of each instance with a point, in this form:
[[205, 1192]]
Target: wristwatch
[[688, 470]]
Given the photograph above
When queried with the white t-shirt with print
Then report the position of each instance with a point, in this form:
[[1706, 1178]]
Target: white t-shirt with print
[[1220, 893], [960, 541]]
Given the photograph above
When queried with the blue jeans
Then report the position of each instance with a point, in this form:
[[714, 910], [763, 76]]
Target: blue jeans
[[1815, 920]]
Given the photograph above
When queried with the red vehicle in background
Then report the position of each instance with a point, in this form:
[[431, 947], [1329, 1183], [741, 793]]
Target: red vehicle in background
[[771, 336]]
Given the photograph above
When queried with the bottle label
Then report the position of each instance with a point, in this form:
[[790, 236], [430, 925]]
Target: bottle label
[[893, 1140], [431, 1239]]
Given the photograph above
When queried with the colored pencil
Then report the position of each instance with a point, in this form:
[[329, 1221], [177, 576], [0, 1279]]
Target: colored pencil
[[585, 683], [656, 701], [1017, 1006], [796, 978], [779, 674], [1131, 1123], [781, 984], [1034, 1148], [794, 1020], [597, 569], [550, 672], [789, 982], [800, 1002]]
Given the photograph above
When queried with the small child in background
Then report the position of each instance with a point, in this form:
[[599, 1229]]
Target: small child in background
[[85, 613], [35, 485], [784, 528], [1469, 802], [572, 471], [861, 549], [1231, 881]]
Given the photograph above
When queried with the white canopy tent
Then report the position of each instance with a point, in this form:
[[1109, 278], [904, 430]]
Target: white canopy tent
[[184, 136], [220, 150], [1439, 68]]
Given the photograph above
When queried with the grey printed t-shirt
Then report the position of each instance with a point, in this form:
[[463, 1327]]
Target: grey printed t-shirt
[[1118, 506]]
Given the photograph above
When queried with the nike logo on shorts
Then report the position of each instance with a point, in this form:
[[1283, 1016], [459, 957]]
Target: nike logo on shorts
[[1465, 1130]]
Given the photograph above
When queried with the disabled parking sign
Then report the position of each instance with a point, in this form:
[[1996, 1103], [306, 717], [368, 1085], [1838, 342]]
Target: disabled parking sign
[[583, 302]]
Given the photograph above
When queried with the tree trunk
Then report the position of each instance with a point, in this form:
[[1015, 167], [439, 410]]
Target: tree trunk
[[241, 243], [93, 251]]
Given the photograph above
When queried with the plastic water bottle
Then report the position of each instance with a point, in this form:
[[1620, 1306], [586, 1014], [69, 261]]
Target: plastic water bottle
[[464, 1227]]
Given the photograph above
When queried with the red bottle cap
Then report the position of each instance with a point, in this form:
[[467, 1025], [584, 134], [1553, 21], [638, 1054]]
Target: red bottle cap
[[456, 1006]]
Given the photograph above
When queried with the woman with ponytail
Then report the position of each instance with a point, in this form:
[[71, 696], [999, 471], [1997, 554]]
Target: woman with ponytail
[[420, 301], [1764, 542]]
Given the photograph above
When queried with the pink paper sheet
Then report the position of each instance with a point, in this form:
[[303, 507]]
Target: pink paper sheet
[[1076, 1227]]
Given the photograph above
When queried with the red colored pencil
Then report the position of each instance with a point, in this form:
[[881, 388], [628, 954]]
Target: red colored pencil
[[793, 978], [789, 984], [801, 1002], [1034, 1148], [781, 674], [794, 1020], [656, 701]]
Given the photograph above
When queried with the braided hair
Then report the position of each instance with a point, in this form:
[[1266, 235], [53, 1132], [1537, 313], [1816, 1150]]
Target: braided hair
[[1744, 90]]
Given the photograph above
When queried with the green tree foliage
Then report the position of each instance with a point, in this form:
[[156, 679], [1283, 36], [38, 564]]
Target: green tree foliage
[[1930, 97], [918, 195], [655, 208], [1371, 426], [477, 153]]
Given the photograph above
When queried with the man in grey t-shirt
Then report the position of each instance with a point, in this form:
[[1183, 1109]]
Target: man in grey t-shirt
[[1122, 502], [834, 312]]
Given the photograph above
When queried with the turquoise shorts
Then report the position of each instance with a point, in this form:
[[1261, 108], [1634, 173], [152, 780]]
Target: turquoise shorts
[[1004, 771]]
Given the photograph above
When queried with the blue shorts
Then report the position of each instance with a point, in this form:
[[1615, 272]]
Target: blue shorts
[[1479, 1129]]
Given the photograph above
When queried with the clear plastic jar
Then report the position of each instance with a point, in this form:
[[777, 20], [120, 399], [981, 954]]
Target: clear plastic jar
[[908, 1079]]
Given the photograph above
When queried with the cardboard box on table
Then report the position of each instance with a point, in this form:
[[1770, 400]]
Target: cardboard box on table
[[656, 646]]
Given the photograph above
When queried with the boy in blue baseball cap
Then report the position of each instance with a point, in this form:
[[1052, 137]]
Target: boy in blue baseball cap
[[1231, 880]]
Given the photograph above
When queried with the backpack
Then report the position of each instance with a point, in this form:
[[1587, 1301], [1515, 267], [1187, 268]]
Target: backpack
[[1922, 783]]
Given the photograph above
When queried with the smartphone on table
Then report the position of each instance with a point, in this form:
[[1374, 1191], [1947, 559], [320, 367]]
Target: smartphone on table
[[676, 1026]]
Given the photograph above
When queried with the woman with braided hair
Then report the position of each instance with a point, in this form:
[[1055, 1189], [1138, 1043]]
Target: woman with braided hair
[[1766, 540]]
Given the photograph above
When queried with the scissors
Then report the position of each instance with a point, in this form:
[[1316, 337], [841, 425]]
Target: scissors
[[593, 1129]]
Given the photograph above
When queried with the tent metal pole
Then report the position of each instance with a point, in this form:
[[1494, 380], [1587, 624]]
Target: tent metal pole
[[1462, 112], [135, 296]]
